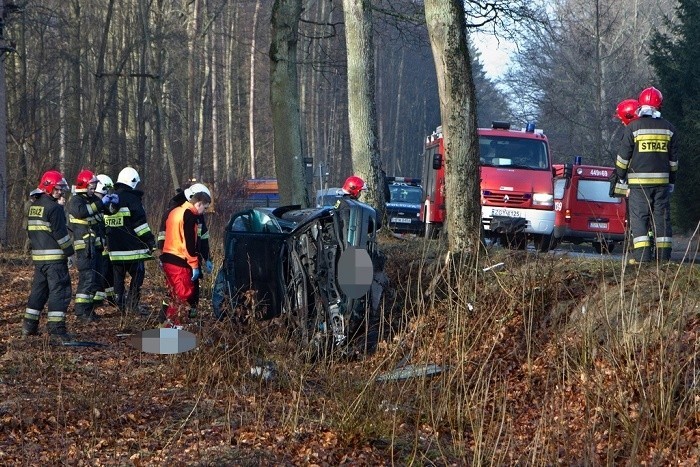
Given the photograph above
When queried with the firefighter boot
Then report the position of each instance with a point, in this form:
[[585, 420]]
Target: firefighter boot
[[30, 327], [58, 332]]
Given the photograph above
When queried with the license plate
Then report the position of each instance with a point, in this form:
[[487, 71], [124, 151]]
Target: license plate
[[505, 212], [400, 220], [598, 225]]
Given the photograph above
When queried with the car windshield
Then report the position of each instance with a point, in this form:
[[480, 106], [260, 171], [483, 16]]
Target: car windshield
[[523, 153], [406, 194]]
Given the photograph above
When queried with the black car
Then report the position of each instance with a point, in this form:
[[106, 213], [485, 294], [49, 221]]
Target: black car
[[403, 208], [320, 268]]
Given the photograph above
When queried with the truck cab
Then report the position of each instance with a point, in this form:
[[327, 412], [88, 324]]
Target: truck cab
[[584, 210], [517, 194]]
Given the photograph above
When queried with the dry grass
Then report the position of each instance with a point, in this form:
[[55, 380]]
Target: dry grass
[[550, 359]]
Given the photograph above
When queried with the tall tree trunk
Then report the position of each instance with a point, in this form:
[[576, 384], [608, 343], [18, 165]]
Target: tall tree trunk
[[251, 92], [3, 138], [192, 84], [362, 113], [284, 95], [447, 31], [215, 151]]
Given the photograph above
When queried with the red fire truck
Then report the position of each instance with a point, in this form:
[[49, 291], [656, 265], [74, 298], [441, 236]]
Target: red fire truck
[[584, 210], [517, 198]]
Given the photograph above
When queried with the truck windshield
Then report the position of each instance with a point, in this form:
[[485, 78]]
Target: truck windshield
[[406, 194], [595, 190], [523, 153]]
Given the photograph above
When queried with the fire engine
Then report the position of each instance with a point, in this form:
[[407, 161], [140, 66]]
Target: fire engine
[[584, 210], [517, 196]]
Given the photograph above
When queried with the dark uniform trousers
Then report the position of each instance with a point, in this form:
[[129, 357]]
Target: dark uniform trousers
[[51, 284], [137, 271], [650, 209], [86, 263]]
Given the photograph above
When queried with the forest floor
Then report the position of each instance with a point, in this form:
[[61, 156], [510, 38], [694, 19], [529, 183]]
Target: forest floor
[[551, 358]]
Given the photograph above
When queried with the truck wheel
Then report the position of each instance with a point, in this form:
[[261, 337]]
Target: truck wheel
[[432, 230], [517, 241], [543, 243]]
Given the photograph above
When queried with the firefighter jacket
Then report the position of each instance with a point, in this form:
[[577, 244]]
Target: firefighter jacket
[[48, 231], [202, 230], [180, 245], [648, 154], [129, 237], [84, 216]]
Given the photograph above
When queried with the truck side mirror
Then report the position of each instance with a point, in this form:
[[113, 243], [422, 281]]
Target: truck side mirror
[[437, 161], [568, 171]]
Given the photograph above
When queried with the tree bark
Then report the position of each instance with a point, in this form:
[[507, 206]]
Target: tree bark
[[362, 113], [251, 92], [447, 31], [284, 96]]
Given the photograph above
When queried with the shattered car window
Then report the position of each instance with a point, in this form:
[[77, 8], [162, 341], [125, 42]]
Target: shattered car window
[[255, 221]]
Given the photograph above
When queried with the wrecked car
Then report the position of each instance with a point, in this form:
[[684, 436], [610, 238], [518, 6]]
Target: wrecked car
[[319, 268]]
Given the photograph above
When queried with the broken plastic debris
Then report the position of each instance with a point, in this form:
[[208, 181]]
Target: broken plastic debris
[[411, 371], [495, 267]]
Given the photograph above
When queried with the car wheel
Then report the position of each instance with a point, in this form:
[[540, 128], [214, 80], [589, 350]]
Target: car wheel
[[221, 296]]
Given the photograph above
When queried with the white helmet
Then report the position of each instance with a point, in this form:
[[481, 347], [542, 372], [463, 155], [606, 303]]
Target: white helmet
[[129, 176], [196, 188], [104, 184]]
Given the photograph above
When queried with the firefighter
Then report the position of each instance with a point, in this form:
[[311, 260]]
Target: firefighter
[[205, 264], [626, 111], [105, 275], [130, 241], [83, 211], [180, 257], [353, 186], [51, 246], [648, 160]]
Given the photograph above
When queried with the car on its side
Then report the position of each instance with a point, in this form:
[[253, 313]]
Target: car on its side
[[324, 276]]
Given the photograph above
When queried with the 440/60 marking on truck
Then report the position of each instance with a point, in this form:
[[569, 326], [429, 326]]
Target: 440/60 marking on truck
[[505, 212]]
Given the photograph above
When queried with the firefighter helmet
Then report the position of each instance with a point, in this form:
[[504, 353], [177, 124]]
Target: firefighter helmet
[[627, 110], [83, 180], [353, 186], [651, 97], [53, 179], [196, 188], [129, 176], [104, 184]]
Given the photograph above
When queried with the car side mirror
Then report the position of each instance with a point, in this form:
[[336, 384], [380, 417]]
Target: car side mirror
[[437, 161]]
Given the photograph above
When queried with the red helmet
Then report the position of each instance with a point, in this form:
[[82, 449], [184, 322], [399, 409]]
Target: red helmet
[[84, 179], [353, 186], [52, 180], [652, 97], [627, 110]]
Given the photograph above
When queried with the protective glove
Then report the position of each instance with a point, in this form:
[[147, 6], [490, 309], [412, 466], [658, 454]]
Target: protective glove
[[195, 274], [208, 266], [106, 199], [671, 188]]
